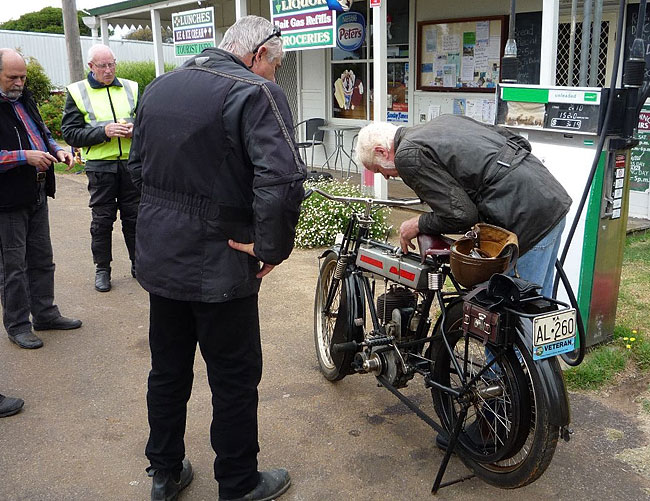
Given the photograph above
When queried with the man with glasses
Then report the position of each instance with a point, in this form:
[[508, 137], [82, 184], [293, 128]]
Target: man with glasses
[[98, 118], [221, 185], [27, 157]]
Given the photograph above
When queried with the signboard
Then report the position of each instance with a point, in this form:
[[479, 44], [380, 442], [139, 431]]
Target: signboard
[[350, 31], [305, 24], [193, 31], [375, 3]]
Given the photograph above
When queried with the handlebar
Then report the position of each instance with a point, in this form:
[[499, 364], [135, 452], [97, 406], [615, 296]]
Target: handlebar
[[364, 200]]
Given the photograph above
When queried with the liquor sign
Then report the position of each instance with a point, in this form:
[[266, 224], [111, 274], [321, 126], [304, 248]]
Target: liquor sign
[[305, 24], [193, 31]]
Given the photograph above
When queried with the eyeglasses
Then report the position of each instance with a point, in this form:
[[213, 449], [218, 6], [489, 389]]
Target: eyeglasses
[[109, 66], [276, 33]]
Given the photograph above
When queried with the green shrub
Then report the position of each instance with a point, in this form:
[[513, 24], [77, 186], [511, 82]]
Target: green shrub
[[37, 80], [52, 111], [321, 219], [142, 72]]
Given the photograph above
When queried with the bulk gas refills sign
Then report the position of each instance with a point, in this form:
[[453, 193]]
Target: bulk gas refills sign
[[307, 24]]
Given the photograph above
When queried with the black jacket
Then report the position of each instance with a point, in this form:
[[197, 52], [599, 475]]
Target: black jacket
[[469, 172], [213, 152], [18, 186]]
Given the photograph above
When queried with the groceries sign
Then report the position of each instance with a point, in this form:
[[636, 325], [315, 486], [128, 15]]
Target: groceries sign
[[305, 24], [193, 31]]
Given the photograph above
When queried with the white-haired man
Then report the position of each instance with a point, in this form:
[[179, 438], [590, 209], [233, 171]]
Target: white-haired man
[[27, 157], [468, 172], [98, 118], [221, 189]]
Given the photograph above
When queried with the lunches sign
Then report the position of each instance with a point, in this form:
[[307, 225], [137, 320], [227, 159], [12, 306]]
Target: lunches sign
[[305, 24], [193, 31]]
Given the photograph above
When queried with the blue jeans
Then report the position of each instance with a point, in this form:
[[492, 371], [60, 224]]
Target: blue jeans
[[538, 264]]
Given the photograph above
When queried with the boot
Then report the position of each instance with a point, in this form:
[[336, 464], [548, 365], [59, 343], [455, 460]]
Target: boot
[[103, 279]]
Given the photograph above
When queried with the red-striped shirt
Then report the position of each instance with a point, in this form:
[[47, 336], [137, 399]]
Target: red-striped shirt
[[14, 158]]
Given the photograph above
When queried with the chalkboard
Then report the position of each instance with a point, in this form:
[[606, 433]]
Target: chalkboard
[[630, 34], [640, 156], [528, 35]]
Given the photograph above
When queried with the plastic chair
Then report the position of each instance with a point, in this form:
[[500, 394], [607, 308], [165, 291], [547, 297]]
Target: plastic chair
[[352, 151], [313, 137]]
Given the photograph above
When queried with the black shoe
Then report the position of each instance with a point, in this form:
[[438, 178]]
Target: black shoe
[[27, 340], [58, 324], [10, 406], [103, 280], [133, 270], [272, 484], [166, 485]]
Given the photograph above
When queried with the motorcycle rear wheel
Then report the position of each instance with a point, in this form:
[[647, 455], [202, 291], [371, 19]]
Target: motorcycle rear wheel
[[536, 446]]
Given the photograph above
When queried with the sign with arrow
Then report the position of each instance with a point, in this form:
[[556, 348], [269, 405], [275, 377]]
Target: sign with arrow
[[193, 31]]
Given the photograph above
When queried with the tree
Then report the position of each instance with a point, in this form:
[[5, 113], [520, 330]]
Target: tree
[[47, 20], [146, 35]]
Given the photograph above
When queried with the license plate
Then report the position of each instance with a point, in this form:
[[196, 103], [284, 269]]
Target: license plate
[[554, 333]]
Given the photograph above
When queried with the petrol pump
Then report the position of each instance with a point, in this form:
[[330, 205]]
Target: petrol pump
[[584, 135], [564, 126]]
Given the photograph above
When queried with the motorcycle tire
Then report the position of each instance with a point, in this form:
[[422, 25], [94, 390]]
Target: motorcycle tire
[[535, 446], [336, 325]]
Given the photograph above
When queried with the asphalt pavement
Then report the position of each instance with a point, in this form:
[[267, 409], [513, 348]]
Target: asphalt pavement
[[82, 432]]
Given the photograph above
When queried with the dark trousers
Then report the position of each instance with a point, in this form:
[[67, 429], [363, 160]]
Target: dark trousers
[[228, 335], [26, 267], [110, 192]]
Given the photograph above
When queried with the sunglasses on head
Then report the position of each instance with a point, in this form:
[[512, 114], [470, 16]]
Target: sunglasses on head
[[276, 33]]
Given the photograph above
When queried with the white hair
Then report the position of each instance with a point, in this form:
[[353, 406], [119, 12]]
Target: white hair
[[247, 33], [372, 135], [92, 52]]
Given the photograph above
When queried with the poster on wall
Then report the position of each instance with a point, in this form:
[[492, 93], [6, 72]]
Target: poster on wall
[[460, 54], [349, 88], [305, 25]]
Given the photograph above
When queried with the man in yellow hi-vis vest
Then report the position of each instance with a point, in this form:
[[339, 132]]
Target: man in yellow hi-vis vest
[[98, 118]]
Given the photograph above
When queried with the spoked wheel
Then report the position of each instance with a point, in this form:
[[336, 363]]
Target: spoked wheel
[[335, 324], [533, 439], [498, 414]]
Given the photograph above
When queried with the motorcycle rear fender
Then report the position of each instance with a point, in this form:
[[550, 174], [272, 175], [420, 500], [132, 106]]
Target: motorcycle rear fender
[[552, 387]]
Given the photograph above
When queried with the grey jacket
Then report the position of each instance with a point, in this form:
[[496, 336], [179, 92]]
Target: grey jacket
[[214, 155], [468, 172]]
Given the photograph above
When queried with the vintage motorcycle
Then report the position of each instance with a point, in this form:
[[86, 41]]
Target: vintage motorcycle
[[500, 401]]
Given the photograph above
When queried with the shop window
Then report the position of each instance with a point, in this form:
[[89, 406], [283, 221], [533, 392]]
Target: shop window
[[351, 63]]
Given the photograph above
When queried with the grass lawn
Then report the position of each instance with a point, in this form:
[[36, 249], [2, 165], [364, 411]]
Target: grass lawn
[[630, 347]]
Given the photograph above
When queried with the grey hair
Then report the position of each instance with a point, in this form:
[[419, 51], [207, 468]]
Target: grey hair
[[243, 36], [372, 135], [3, 51], [92, 52]]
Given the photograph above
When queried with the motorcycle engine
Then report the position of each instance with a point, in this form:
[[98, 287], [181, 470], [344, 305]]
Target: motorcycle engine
[[395, 309]]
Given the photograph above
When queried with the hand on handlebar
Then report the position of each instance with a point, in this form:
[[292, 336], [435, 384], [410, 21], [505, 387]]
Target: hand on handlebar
[[248, 249], [407, 232]]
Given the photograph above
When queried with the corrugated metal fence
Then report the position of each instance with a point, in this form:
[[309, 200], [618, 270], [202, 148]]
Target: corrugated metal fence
[[50, 51]]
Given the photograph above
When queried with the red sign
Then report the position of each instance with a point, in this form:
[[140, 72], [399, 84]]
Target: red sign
[[644, 121], [375, 3]]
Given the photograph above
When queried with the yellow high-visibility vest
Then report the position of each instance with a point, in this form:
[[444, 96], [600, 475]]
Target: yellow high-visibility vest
[[95, 104]]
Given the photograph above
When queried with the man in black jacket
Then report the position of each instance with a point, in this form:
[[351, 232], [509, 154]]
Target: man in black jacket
[[469, 172], [27, 156], [221, 182]]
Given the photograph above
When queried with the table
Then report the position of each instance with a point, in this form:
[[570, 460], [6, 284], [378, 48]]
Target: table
[[339, 149]]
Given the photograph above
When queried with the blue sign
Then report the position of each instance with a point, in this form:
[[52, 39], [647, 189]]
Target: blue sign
[[350, 31]]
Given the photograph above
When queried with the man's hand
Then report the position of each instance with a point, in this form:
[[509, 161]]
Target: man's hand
[[66, 158], [248, 249], [407, 232], [39, 159], [118, 130]]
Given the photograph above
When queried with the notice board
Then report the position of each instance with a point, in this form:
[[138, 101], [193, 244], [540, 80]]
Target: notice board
[[640, 155], [460, 54]]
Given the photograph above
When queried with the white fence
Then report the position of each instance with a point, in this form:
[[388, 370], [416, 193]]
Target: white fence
[[50, 51]]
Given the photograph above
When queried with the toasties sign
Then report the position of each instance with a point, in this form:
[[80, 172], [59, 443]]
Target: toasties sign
[[305, 24]]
